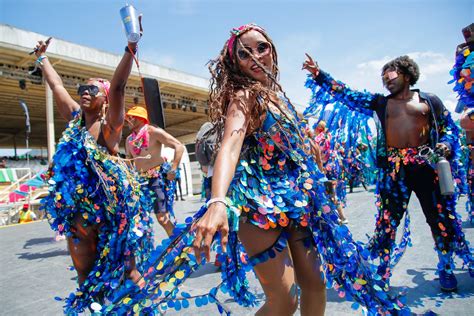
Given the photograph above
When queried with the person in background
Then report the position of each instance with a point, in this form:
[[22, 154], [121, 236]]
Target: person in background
[[205, 155], [3, 163], [463, 80], [26, 215], [178, 185], [144, 145]]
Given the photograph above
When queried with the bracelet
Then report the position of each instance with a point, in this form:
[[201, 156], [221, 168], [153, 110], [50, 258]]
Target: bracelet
[[128, 50], [172, 171], [215, 200], [40, 59]]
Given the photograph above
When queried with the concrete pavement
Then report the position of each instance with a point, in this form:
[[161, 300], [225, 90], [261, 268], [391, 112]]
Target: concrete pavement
[[35, 269]]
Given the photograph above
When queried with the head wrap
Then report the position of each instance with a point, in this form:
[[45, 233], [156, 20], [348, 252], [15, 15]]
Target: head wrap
[[105, 84]]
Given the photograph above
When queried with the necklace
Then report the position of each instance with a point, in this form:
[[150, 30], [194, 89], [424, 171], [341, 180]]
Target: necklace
[[138, 141]]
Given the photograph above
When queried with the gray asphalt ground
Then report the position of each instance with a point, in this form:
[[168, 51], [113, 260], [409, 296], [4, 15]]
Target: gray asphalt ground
[[35, 269]]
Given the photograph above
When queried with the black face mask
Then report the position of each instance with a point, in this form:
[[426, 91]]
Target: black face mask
[[93, 90]]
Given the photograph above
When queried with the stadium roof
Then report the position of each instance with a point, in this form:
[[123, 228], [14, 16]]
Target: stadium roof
[[184, 95]]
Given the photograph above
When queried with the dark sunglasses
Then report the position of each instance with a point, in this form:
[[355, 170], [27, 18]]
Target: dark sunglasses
[[263, 49], [390, 75], [93, 90]]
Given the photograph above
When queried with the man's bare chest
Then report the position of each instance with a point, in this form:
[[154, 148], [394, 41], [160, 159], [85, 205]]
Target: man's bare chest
[[412, 109]]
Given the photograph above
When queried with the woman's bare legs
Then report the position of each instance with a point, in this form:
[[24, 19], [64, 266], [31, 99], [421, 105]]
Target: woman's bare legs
[[83, 252], [307, 269], [275, 275], [83, 247], [133, 274]]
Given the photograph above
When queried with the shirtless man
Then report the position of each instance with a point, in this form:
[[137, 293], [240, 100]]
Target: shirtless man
[[411, 120], [144, 144]]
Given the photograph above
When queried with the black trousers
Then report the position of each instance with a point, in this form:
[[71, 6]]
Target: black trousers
[[421, 179], [394, 192]]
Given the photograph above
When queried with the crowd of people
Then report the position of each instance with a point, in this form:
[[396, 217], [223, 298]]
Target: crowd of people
[[276, 187]]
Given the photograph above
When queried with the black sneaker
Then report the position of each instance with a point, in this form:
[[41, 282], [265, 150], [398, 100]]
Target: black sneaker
[[447, 281]]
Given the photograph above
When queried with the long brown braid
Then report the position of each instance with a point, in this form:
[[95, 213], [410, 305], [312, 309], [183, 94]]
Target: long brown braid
[[227, 78]]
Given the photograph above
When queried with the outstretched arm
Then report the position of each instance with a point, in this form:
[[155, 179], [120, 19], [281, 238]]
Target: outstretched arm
[[328, 90], [215, 218], [168, 140], [316, 151], [116, 113], [65, 103]]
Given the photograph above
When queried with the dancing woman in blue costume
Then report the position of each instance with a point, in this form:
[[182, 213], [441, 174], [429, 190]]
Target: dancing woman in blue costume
[[463, 80], [411, 121], [268, 195], [94, 198]]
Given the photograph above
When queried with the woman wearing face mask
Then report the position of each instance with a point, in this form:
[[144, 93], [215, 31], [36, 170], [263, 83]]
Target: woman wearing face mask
[[267, 195], [94, 198]]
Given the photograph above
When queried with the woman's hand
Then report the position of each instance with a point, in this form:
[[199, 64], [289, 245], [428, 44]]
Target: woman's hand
[[41, 47], [214, 220], [311, 66], [134, 45]]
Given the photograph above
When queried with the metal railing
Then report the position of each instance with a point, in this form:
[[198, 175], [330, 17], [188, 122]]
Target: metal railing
[[9, 209], [23, 175]]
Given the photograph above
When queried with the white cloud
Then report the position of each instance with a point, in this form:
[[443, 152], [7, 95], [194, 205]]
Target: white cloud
[[434, 69], [434, 73], [432, 64]]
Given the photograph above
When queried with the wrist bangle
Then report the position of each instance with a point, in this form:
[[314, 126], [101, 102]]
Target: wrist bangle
[[40, 59], [128, 50], [172, 171], [215, 200]]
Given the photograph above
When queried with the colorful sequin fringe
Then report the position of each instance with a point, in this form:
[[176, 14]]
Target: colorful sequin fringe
[[84, 180], [275, 184], [463, 78], [463, 74], [344, 100], [470, 192]]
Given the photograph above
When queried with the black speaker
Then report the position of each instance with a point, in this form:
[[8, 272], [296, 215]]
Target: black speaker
[[154, 105]]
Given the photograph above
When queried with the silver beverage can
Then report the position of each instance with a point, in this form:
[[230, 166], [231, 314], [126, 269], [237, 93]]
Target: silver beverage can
[[130, 23]]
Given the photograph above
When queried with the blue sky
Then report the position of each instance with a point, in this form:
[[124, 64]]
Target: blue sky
[[350, 39]]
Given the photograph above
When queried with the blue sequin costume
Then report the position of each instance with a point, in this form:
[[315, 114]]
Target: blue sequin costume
[[86, 181], [392, 190], [470, 184], [161, 189], [275, 184], [462, 73]]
